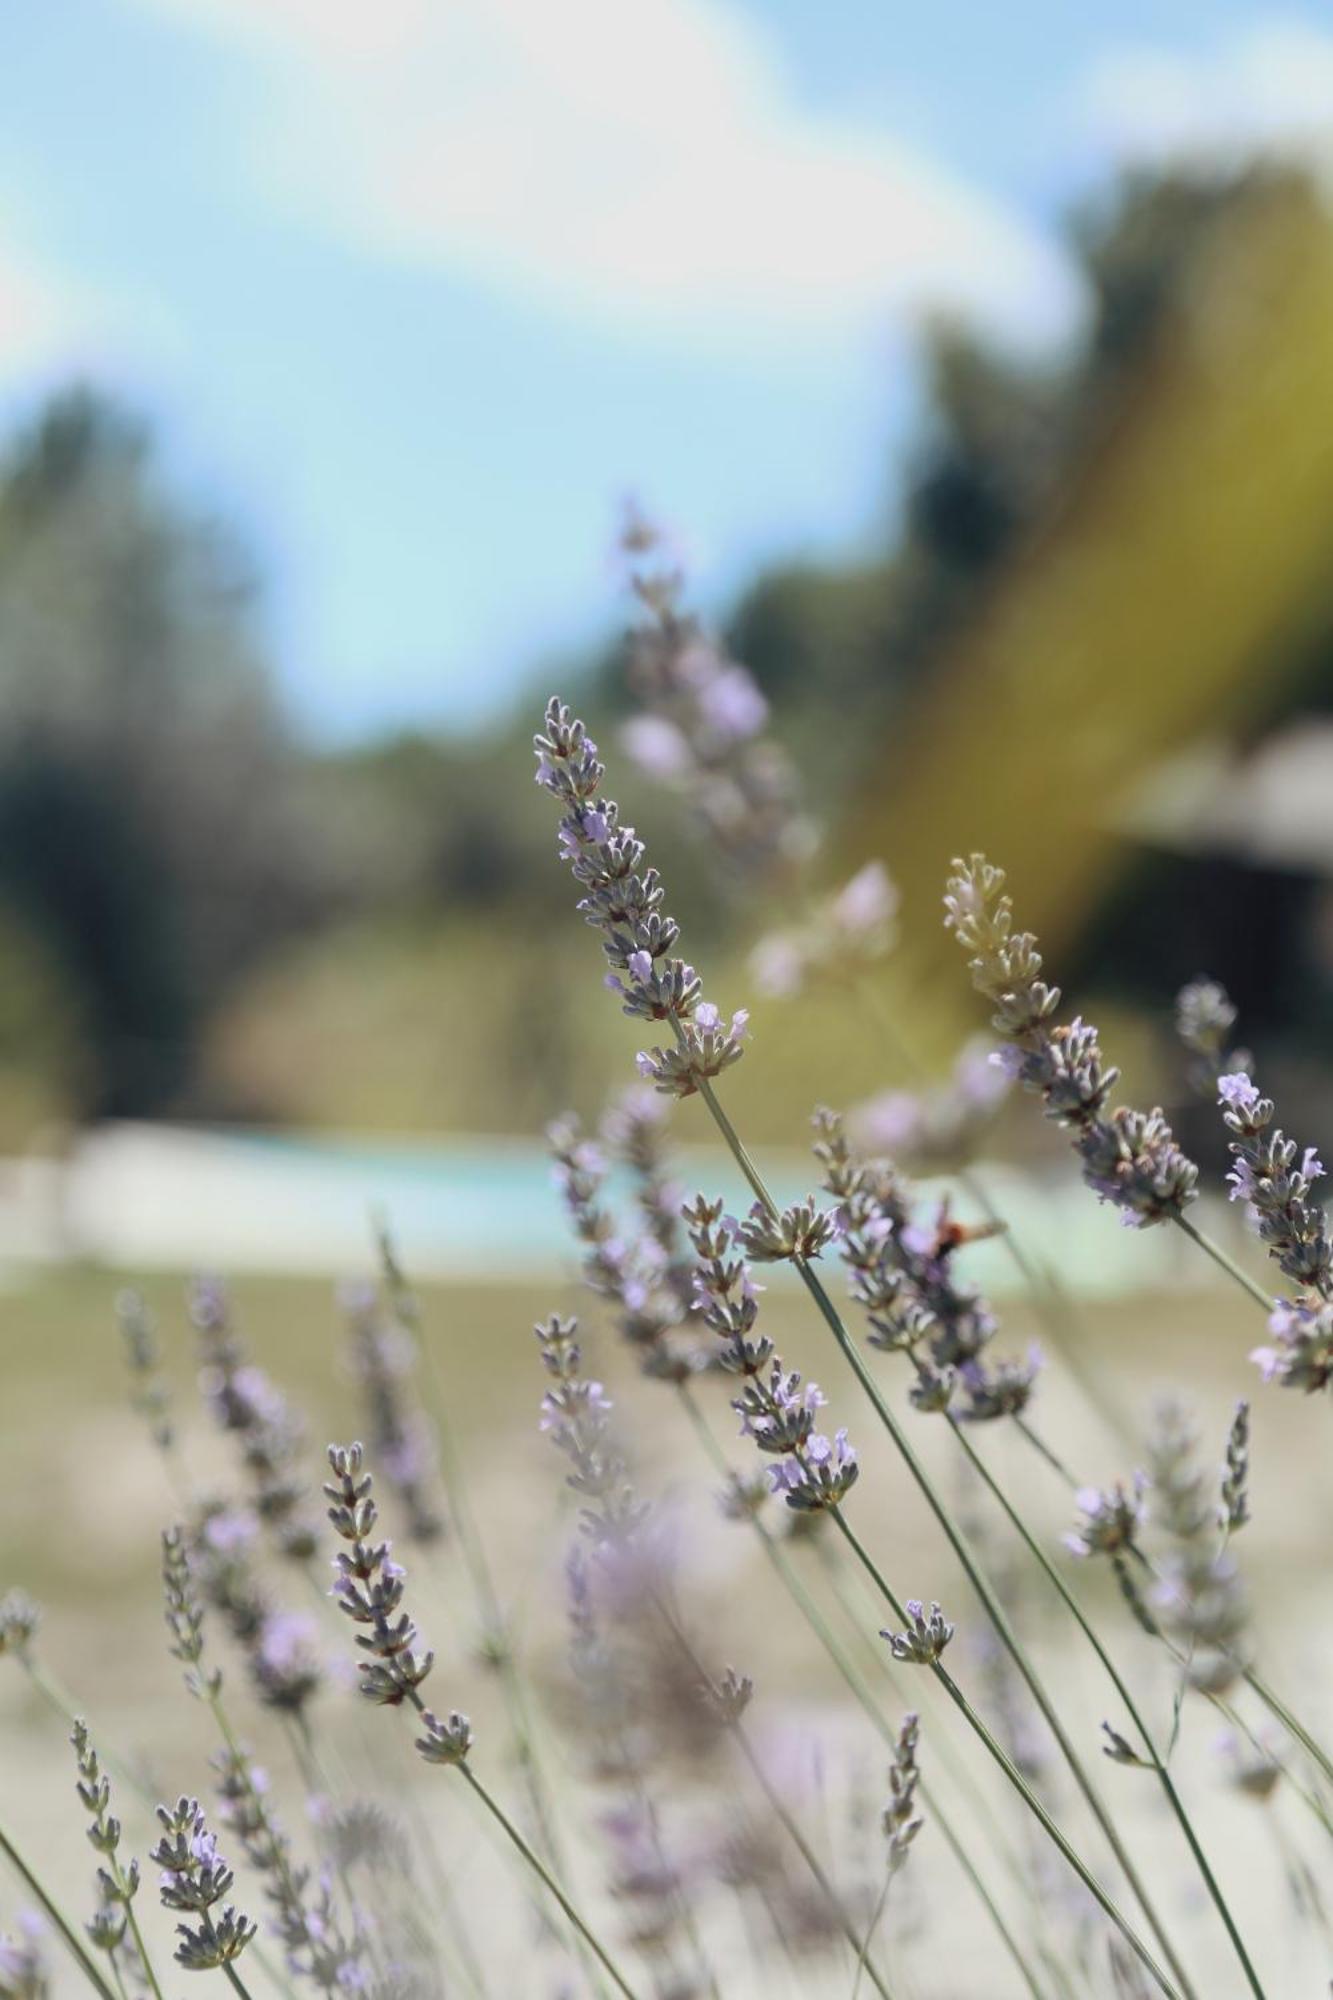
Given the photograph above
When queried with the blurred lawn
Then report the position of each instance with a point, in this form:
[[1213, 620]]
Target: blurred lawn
[[85, 1500]]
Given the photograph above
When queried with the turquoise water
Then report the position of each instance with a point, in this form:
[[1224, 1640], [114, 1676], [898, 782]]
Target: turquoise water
[[489, 1207]]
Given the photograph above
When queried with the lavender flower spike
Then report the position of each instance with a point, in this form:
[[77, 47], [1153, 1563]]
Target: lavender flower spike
[[856, 922], [776, 1409], [117, 1883], [1301, 1353], [1204, 1020], [623, 900], [312, 1936], [383, 1358], [925, 1638], [703, 730], [195, 1879], [1268, 1177], [1110, 1520], [575, 1414], [369, 1587], [19, 1619], [245, 1402], [1130, 1158], [24, 1973], [900, 1819]]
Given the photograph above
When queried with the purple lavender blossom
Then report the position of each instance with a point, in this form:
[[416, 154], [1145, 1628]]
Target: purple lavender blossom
[[856, 922], [1130, 1158], [903, 1271], [19, 1618], [1110, 1519], [284, 1661], [730, 704], [1300, 1355], [702, 729], [646, 1283], [925, 1638], [657, 746], [195, 1880], [776, 1407], [941, 1128], [245, 1402], [24, 1973], [1266, 1175], [574, 1415], [317, 1943], [1204, 1020], [383, 1351], [369, 1587], [623, 900]]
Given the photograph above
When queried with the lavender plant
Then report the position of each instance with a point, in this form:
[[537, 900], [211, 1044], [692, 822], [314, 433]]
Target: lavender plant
[[704, 720], [383, 1357], [1129, 1157], [24, 1974], [369, 1589], [714, 1862], [195, 1880], [247, 1404], [117, 1880], [1274, 1178], [652, 1285], [577, 1416], [601, 858]]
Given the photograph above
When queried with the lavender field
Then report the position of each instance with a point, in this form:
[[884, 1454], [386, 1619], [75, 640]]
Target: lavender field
[[666, 991]]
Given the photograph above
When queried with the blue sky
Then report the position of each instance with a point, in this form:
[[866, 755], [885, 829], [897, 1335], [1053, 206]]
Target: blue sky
[[416, 290]]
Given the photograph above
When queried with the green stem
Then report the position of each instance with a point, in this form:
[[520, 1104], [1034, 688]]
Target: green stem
[[548, 1880], [876, 1918], [958, 1542], [63, 1703], [116, 1973], [1012, 1773], [55, 1917], [978, 1805], [214, 1699], [237, 1983], [1075, 1610], [1223, 1261], [142, 1949], [480, 1576], [860, 1945], [777, 1805], [1247, 1673], [824, 1633], [1289, 1721]]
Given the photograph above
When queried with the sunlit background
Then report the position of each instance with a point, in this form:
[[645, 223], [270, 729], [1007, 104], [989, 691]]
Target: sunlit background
[[976, 365]]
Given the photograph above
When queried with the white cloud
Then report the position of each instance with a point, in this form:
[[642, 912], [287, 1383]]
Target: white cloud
[[1268, 90], [55, 326], [640, 162], [35, 319]]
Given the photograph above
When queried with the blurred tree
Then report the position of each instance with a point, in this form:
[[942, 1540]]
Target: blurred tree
[[149, 835]]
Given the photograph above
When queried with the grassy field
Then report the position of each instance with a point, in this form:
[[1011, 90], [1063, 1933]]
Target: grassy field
[[85, 1498]]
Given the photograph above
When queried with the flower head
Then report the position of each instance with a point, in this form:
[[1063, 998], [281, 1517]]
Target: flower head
[[369, 1587], [1130, 1158], [925, 1638], [19, 1619], [622, 898], [195, 1879], [1275, 1179], [1300, 1354], [1110, 1518]]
